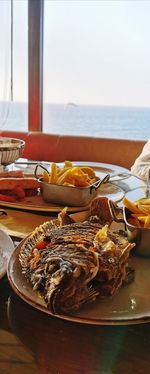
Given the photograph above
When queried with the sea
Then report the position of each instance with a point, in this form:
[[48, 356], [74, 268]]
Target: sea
[[88, 120]]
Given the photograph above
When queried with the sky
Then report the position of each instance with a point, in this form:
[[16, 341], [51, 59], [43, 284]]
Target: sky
[[95, 52]]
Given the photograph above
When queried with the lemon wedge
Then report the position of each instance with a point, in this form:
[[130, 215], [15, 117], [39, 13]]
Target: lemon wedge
[[88, 170]]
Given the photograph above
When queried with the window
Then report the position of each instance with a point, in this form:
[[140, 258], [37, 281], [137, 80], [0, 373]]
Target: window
[[96, 68]]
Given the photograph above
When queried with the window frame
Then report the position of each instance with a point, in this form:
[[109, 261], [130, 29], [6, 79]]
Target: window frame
[[35, 64]]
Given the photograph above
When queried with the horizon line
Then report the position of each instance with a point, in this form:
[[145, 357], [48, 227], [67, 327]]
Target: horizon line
[[81, 104]]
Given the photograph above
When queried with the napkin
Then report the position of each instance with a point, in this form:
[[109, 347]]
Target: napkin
[[19, 224]]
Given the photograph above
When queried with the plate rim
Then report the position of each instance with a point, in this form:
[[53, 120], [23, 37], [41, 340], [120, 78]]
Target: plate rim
[[37, 208], [70, 318], [4, 269]]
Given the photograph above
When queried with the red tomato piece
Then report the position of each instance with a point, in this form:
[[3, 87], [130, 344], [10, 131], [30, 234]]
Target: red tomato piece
[[42, 244]]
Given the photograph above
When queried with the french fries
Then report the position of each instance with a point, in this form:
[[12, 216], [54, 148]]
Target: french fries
[[53, 175], [69, 175], [140, 211]]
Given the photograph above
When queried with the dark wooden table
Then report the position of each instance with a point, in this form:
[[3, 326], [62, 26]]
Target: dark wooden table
[[34, 342]]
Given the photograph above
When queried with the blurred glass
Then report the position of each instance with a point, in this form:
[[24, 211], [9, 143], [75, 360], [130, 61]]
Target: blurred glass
[[138, 193]]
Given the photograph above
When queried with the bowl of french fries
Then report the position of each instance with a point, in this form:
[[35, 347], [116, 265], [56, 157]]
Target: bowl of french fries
[[136, 217], [69, 185]]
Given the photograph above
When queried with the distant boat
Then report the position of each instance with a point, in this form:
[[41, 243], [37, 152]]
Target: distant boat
[[70, 104]]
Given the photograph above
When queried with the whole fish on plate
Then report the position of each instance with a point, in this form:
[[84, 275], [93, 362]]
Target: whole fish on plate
[[73, 263]]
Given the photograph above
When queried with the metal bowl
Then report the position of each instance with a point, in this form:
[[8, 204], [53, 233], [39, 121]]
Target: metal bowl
[[10, 150], [66, 195], [138, 235]]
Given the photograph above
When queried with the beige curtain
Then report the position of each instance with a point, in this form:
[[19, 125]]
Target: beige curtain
[[5, 60]]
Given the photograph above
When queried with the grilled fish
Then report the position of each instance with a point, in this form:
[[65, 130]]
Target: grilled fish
[[74, 263]]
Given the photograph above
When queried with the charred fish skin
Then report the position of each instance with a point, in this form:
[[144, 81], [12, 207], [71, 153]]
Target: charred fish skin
[[82, 233], [68, 287], [63, 274], [73, 259]]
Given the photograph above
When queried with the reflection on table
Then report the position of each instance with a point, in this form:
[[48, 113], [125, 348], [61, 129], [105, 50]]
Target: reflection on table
[[34, 342]]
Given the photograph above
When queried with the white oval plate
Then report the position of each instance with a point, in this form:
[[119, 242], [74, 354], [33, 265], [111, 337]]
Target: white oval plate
[[6, 249], [131, 304]]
